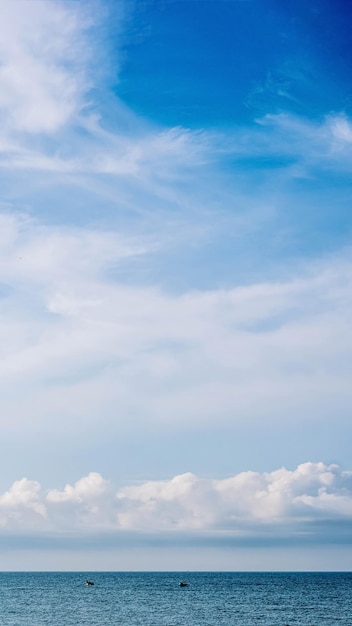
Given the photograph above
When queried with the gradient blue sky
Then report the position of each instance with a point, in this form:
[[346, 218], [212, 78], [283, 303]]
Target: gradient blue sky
[[175, 284]]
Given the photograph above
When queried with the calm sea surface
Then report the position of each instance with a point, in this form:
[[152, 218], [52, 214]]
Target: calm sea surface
[[210, 599]]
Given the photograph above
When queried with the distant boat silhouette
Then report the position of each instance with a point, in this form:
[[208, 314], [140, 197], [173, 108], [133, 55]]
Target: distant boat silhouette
[[89, 583], [183, 583]]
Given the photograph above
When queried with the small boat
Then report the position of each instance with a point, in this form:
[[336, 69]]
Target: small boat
[[183, 583], [89, 583]]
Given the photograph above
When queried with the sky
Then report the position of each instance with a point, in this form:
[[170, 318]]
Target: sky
[[175, 285]]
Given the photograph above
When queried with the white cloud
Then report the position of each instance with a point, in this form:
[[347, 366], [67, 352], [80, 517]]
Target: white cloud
[[86, 489], [244, 504], [51, 56], [312, 491], [75, 338], [186, 502], [47, 53], [43, 63], [127, 164], [341, 128], [22, 504], [36, 254]]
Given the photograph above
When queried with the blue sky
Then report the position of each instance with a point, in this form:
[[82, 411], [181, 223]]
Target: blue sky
[[175, 284]]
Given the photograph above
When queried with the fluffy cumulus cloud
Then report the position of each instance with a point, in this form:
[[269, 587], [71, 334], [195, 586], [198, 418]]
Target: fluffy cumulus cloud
[[242, 503], [243, 506], [22, 503]]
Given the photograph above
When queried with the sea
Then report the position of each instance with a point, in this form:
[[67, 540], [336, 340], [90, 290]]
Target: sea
[[156, 599]]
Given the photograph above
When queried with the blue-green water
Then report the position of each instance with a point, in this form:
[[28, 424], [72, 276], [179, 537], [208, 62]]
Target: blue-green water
[[156, 599]]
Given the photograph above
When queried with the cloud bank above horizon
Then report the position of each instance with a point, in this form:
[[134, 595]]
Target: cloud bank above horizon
[[311, 503]]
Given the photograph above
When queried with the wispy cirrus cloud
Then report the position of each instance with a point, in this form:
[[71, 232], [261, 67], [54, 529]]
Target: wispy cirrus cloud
[[46, 91], [50, 112], [173, 178]]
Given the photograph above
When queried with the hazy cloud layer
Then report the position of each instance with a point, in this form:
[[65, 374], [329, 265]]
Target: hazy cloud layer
[[80, 342]]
